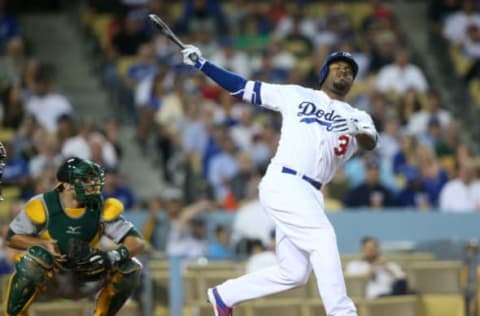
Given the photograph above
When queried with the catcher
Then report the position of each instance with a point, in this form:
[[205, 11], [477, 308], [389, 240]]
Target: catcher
[[60, 231]]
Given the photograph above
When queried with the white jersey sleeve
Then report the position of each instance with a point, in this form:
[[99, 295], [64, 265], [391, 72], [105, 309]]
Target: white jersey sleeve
[[23, 225], [117, 229], [275, 97]]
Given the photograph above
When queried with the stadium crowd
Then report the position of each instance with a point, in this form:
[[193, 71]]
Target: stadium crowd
[[212, 146]]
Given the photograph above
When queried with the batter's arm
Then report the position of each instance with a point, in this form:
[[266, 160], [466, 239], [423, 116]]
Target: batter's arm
[[253, 92], [366, 141], [367, 135]]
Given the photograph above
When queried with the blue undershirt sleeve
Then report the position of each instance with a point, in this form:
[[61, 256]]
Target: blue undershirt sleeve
[[239, 87]]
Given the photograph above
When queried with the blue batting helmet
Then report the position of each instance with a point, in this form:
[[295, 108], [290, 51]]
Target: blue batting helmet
[[347, 57]]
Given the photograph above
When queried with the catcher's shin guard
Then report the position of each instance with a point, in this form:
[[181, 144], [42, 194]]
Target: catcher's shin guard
[[118, 288], [31, 272]]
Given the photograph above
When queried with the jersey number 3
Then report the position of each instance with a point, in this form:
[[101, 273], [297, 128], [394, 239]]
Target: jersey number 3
[[343, 142]]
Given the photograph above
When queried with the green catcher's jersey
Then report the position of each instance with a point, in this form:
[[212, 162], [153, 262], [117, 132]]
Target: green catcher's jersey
[[44, 216]]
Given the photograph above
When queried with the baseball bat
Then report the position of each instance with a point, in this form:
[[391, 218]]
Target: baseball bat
[[163, 27]]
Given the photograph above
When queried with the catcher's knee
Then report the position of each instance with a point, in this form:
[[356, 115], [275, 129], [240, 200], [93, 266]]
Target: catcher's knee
[[36, 265], [31, 272]]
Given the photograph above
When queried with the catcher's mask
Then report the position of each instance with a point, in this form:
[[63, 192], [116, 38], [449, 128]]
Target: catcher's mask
[[335, 56], [86, 177]]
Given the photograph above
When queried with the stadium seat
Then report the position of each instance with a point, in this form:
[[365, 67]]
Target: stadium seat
[[436, 277], [205, 309], [314, 307], [391, 306], [280, 307], [158, 265], [442, 305], [69, 308], [129, 309], [356, 286], [207, 279]]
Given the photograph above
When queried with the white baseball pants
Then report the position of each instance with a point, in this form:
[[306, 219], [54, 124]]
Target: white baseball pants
[[305, 240]]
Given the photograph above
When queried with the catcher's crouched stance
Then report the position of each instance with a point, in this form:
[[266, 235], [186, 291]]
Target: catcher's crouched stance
[[60, 231]]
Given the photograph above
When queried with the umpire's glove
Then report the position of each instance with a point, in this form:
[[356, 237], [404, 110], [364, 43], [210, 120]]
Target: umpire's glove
[[193, 56]]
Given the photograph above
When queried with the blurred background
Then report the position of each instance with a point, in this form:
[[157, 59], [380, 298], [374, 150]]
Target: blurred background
[[92, 78]]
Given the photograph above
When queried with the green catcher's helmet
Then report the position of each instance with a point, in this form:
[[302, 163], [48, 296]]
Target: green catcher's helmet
[[87, 178]]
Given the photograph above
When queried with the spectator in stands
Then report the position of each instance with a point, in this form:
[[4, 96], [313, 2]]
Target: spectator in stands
[[116, 188], [378, 110], [259, 256], [251, 211], [408, 104], [438, 11], [414, 194], [385, 277], [471, 50], [318, 56], [130, 37], [401, 76], [296, 42], [202, 14], [307, 26], [267, 71], [418, 122], [149, 100], [231, 59], [77, 145], [238, 183], [462, 194], [455, 25], [111, 133], [251, 38], [220, 248], [181, 240], [243, 132], [102, 152], [30, 68], [11, 63], [406, 156], [445, 147], [13, 108], [16, 173], [389, 139], [222, 167], [47, 153], [144, 66], [372, 193], [434, 175], [8, 25], [46, 105]]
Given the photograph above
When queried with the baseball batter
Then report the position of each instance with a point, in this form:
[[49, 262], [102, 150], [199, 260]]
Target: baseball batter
[[319, 133]]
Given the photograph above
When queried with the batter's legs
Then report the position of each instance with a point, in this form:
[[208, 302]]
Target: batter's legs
[[327, 267], [292, 270]]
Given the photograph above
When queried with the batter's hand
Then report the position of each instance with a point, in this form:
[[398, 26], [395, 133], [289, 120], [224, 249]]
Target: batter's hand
[[192, 56], [345, 126]]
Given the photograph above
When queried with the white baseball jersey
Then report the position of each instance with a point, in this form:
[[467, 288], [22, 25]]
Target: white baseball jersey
[[307, 143]]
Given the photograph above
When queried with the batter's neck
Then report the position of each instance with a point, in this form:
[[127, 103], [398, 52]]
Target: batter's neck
[[333, 95]]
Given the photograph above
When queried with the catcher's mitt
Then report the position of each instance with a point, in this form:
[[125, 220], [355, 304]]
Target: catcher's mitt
[[88, 263]]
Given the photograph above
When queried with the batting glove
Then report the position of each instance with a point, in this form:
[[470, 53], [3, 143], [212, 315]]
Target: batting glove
[[193, 56], [345, 126]]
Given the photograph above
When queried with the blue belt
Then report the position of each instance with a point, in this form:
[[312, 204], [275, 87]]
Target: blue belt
[[317, 185]]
